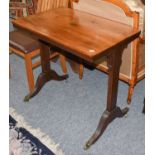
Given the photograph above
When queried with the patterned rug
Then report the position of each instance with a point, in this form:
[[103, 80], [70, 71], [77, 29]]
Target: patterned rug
[[24, 140]]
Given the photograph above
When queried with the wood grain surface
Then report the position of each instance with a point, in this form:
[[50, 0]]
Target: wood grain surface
[[82, 34]]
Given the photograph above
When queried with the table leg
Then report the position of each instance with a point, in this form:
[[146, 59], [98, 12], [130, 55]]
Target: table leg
[[112, 111], [47, 73]]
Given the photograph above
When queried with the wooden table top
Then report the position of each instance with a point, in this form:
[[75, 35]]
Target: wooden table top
[[82, 34]]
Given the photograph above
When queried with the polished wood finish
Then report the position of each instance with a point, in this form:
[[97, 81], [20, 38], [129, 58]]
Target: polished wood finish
[[112, 111], [45, 5], [42, 6], [63, 63], [135, 49], [74, 31], [81, 69], [143, 1], [88, 37], [47, 73]]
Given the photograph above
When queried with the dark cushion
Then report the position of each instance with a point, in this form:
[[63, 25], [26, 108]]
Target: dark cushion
[[22, 42]]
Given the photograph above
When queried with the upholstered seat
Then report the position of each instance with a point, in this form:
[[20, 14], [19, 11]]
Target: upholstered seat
[[22, 42], [138, 6], [24, 45]]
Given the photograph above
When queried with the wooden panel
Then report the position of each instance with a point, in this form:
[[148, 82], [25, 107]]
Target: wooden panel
[[104, 9], [45, 5], [126, 66], [82, 34], [118, 11], [141, 56]]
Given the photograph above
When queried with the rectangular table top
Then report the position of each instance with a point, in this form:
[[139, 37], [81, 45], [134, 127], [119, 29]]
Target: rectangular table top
[[84, 35]]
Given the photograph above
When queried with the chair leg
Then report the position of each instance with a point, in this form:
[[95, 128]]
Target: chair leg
[[29, 72], [63, 63], [130, 93], [81, 70]]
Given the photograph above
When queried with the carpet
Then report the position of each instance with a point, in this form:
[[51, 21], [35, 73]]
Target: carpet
[[25, 140], [68, 111]]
